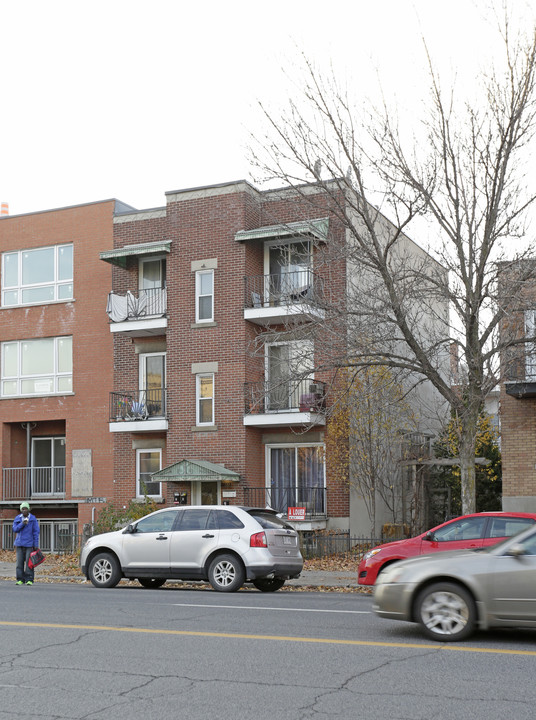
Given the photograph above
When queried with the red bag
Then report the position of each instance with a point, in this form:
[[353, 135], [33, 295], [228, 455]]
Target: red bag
[[35, 559]]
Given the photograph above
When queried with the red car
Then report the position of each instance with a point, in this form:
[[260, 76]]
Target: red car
[[468, 531]]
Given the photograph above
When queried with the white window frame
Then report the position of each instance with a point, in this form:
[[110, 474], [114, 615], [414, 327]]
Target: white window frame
[[19, 377], [56, 283], [199, 295], [295, 447], [198, 399], [139, 452]]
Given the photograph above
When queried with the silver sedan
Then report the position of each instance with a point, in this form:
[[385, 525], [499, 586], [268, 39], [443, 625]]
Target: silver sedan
[[451, 594]]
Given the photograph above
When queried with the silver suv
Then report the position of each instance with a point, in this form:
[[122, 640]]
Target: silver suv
[[226, 545]]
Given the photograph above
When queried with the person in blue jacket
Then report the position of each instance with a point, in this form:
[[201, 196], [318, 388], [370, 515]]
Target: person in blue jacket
[[26, 527]]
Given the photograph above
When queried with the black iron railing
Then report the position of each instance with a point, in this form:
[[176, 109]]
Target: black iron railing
[[25, 483], [281, 498], [285, 395], [147, 302], [299, 286], [138, 405]]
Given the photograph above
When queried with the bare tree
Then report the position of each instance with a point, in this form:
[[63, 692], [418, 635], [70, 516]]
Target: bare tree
[[363, 440], [465, 176]]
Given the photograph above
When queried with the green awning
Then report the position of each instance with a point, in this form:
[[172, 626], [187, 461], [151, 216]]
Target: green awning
[[119, 255], [317, 228], [194, 470]]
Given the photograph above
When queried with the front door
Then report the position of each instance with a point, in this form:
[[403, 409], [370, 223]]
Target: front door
[[205, 493]]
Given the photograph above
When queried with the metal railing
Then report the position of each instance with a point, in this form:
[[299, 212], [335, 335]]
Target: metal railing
[[55, 536], [313, 499], [295, 395], [147, 302], [299, 286], [138, 405], [30, 482], [341, 545]]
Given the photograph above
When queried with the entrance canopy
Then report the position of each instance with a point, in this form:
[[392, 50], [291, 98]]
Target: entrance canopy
[[194, 471]]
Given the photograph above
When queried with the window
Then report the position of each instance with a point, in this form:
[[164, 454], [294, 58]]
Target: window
[[204, 296], [153, 383], [530, 347], [205, 399], [160, 522], [507, 526], [288, 373], [42, 275], [147, 463], [466, 529], [37, 367], [152, 286], [197, 520], [296, 477]]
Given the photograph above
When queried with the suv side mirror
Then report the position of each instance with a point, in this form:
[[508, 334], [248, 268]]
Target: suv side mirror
[[130, 528], [516, 550], [429, 536]]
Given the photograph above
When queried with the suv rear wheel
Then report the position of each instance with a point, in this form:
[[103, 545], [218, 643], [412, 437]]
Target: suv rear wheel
[[226, 573]]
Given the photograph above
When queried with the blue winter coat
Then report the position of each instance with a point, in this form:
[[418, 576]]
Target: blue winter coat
[[27, 535]]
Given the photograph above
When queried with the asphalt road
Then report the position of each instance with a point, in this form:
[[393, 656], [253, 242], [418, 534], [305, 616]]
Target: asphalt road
[[72, 651]]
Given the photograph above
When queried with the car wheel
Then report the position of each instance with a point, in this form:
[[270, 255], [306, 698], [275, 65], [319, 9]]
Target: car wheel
[[151, 582], [104, 571], [226, 573], [268, 585], [446, 612]]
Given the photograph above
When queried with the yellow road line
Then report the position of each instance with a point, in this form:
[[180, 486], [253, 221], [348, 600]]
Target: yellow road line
[[281, 638]]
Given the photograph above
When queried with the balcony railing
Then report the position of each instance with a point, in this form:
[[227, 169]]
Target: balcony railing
[[313, 499], [284, 396], [149, 302], [300, 286], [30, 482], [138, 405]]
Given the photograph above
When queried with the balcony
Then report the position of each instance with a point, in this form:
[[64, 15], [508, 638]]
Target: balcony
[[33, 483], [290, 402], [313, 499], [272, 299], [138, 411], [138, 315]]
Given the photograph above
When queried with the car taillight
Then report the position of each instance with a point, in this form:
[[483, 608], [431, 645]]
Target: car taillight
[[258, 540]]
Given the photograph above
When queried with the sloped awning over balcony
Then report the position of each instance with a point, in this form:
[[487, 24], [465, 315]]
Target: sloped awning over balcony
[[119, 256], [318, 228], [194, 471]]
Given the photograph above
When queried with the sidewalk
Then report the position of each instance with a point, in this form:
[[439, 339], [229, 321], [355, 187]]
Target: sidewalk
[[309, 578]]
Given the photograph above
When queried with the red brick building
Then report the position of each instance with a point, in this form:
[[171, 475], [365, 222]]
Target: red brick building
[[56, 367], [192, 285]]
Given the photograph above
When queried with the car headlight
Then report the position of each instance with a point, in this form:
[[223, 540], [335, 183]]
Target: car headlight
[[371, 553]]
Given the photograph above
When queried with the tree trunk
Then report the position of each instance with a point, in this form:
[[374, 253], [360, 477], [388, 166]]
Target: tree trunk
[[467, 464]]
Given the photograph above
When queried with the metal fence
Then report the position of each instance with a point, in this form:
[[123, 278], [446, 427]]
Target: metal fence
[[56, 536], [340, 545]]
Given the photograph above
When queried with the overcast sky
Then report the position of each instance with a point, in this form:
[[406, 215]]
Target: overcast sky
[[130, 99]]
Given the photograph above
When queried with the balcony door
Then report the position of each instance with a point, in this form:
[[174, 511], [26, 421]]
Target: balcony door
[[296, 477], [152, 285], [288, 368], [153, 383], [289, 266], [48, 466]]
